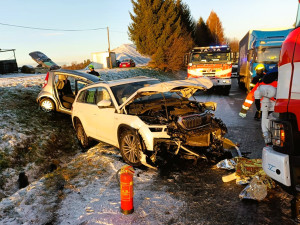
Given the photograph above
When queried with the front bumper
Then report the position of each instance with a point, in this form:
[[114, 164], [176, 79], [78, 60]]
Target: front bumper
[[221, 81], [276, 165]]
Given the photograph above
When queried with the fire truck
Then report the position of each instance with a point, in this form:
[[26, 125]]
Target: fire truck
[[281, 160], [213, 62]]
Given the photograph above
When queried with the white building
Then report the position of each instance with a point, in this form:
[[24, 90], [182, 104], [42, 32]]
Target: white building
[[101, 59]]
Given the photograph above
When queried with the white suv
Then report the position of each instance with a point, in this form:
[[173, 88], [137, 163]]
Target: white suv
[[143, 118]]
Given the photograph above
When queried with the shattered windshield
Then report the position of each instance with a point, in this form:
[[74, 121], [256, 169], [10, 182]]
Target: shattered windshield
[[267, 55], [124, 91], [210, 57]]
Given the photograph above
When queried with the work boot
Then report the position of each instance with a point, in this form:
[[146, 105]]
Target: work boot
[[257, 115]]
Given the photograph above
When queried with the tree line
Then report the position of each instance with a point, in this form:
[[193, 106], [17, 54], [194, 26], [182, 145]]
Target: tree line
[[166, 31]]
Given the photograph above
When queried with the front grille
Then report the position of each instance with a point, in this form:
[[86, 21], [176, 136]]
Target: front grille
[[194, 121]]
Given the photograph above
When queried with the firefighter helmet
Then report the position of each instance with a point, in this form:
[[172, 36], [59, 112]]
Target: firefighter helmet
[[260, 68]]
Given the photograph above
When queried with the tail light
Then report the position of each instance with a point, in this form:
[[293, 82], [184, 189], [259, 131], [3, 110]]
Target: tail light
[[46, 80], [278, 133]]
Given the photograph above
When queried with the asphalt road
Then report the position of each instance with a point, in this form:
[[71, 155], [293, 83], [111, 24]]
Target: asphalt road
[[207, 199]]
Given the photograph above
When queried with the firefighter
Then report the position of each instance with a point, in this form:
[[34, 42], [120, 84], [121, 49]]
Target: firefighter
[[264, 92], [261, 79], [260, 73]]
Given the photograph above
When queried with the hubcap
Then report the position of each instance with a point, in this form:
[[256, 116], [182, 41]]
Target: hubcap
[[131, 151], [47, 105]]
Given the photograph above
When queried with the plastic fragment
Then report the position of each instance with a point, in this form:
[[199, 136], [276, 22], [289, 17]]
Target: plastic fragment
[[229, 178], [228, 164], [256, 190]]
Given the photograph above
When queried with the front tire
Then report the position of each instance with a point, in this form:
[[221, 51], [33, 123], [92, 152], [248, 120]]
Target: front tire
[[47, 105], [81, 136], [226, 90], [130, 147]]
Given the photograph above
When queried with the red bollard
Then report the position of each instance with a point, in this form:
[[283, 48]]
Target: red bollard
[[126, 189]]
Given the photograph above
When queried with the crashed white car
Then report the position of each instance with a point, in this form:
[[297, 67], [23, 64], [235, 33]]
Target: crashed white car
[[145, 118]]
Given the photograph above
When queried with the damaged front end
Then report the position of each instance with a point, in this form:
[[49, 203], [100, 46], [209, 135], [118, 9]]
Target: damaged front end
[[172, 123], [192, 128]]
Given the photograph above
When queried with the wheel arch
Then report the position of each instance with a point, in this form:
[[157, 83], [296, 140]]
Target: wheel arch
[[122, 128], [143, 133], [75, 120]]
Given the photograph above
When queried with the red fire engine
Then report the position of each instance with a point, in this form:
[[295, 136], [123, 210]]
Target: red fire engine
[[212, 62], [281, 161]]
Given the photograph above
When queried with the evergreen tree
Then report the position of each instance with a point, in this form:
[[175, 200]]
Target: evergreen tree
[[203, 36], [215, 26], [157, 30], [187, 20]]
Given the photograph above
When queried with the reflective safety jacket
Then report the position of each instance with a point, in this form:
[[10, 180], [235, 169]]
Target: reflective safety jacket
[[250, 97]]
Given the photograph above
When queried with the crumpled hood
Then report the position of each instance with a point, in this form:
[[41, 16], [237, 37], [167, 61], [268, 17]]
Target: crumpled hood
[[186, 87]]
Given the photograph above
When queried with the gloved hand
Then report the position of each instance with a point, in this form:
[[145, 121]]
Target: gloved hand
[[243, 115]]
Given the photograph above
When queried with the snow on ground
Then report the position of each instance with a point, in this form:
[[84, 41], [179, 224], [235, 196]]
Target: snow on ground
[[21, 79], [86, 191], [126, 51]]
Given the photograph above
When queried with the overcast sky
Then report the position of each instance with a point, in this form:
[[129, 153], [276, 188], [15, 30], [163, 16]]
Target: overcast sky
[[237, 16]]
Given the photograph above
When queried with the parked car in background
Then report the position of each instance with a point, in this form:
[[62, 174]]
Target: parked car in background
[[60, 88], [146, 119], [127, 63], [27, 69]]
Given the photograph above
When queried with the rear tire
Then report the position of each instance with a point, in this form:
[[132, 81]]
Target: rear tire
[[47, 105], [130, 147], [81, 136]]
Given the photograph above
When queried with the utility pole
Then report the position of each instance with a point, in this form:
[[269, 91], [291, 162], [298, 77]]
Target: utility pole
[[110, 63]]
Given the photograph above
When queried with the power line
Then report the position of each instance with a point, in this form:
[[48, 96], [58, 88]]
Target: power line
[[52, 29]]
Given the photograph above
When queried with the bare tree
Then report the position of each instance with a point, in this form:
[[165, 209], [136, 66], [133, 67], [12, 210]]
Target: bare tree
[[215, 26]]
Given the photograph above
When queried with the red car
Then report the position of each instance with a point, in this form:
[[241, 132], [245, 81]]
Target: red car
[[127, 63]]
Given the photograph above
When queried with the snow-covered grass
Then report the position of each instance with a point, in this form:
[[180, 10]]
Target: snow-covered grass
[[86, 191], [29, 139], [82, 190]]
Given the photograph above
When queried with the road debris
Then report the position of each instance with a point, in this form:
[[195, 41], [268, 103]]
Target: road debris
[[228, 164], [256, 190], [248, 171]]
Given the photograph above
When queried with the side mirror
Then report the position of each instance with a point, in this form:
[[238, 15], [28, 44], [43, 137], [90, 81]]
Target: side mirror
[[210, 106], [104, 104]]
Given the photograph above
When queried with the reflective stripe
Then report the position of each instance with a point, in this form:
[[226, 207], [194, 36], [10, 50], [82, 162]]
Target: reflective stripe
[[248, 101], [245, 107]]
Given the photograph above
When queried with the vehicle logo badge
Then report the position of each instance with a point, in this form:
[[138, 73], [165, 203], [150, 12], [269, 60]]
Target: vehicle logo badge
[[271, 167]]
